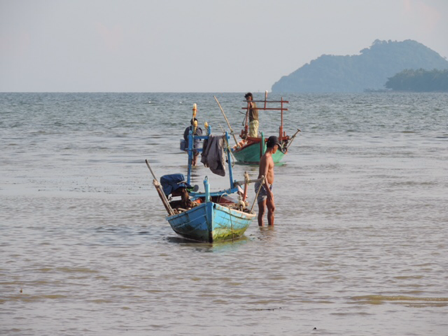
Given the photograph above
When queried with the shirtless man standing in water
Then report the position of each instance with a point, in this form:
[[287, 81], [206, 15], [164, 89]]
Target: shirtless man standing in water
[[265, 196]]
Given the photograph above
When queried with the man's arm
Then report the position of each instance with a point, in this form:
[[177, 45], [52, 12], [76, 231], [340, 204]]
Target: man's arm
[[186, 132], [267, 163]]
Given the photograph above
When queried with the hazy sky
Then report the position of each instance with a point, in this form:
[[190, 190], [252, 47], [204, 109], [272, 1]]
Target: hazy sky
[[194, 45]]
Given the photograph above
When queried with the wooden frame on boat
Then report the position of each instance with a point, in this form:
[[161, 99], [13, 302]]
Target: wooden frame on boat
[[250, 149]]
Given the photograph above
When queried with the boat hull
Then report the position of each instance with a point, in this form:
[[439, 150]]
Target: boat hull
[[210, 222], [251, 154]]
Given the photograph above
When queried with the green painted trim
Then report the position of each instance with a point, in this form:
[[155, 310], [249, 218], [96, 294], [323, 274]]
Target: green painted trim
[[251, 154]]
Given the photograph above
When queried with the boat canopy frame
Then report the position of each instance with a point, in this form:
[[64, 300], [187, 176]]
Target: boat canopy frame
[[233, 184], [282, 134]]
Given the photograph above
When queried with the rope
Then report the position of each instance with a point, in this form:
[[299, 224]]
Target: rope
[[256, 196], [230, 151]]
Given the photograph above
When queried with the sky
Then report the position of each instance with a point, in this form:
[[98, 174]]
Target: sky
[[195, 45]]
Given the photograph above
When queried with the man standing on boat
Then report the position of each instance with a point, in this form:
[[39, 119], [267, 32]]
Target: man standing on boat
[[196, 131], [253, 115], [265, 196]]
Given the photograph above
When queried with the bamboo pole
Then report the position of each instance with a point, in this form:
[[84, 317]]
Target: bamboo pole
[[227, 120], [292, 138], [162, 195], [246, 185]]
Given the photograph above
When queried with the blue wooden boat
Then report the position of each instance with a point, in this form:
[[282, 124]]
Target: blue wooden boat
[[211, 221], [209, 216]]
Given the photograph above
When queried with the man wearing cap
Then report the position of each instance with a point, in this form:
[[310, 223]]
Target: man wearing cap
[[266, 169], [196, 131], [253, 115]]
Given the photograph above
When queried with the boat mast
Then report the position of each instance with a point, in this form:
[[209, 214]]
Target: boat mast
[[281, 123], [229, 158]]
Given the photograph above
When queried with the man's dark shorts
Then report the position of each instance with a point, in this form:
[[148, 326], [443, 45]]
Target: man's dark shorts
[[263, 195]]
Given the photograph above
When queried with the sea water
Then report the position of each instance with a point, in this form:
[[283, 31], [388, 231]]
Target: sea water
[[359, 246]]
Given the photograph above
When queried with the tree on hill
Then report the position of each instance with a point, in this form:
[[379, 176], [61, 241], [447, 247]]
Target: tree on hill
[[419, 81], [357, 73]]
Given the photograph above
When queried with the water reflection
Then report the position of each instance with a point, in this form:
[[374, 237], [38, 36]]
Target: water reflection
[[262, 233], [217, 247]]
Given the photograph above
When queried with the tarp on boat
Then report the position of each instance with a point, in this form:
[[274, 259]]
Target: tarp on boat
[[213, 155], [173, 182]]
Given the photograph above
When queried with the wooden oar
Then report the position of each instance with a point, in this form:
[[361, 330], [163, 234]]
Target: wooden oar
[[240, 183], [162, 195], [246, 185], [292, 138], [227, 120]]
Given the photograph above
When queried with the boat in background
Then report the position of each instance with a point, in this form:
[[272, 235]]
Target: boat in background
[[250, 149], [206, 216]]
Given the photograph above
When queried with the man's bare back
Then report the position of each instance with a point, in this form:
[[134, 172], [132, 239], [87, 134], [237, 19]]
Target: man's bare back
[[267, 167]]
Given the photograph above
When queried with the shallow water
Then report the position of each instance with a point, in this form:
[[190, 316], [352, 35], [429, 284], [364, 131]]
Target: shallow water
[[359, 246]]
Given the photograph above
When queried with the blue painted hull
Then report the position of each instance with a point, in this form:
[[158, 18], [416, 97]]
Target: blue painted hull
[[210, 222]]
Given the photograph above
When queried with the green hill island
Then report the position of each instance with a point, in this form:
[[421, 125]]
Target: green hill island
[[384, 62]]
